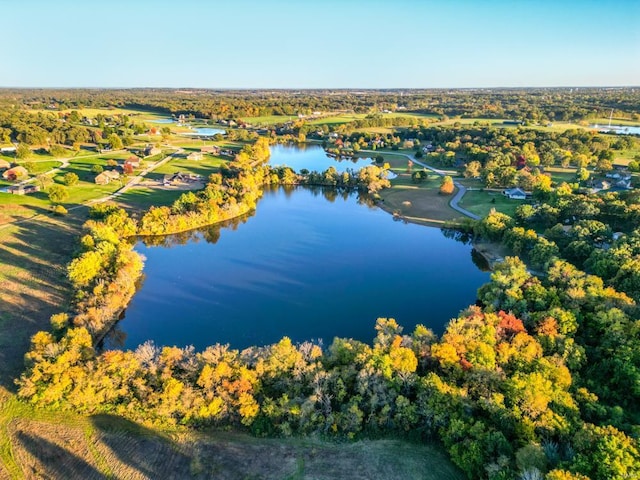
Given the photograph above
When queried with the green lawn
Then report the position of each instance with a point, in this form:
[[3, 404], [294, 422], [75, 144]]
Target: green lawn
[[208, 165], [141, 198], [481, 203]]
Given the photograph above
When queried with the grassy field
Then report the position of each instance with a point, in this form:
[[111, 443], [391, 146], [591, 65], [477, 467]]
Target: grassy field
[[42, 444], [33, 257], [421, 203], [481, 203], [141, 198]]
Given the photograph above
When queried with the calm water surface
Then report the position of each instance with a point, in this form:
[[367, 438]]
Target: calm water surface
[[308, 264], [313, 158]]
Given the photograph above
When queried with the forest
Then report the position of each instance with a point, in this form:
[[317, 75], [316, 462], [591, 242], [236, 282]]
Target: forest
[[540, 379]]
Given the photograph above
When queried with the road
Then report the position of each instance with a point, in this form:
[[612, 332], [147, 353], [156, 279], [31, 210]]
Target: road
[[131, 183], [454, 202]]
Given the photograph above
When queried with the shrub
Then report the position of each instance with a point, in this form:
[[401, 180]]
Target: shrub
[[60, 211]]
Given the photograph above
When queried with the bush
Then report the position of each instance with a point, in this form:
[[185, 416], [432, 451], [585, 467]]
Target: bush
[[60, 211], [97, 169]]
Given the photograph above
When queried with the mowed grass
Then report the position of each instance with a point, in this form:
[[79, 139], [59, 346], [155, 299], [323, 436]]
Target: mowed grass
[[141, 198], [421, 203], [46, 444], [481, 203], [208, 165], [33, 259]]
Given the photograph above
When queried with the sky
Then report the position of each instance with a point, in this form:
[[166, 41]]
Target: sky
[[319, 44]]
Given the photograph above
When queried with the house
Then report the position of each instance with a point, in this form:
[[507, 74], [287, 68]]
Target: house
[[600, 185], [102, 179], [112, 174], [23, 189], [212, 149], [150, 150], [4, 165], [514, 193], [194, 156], [180, 178], [624, 183], [8, 149], [132, 161], [15, 173]]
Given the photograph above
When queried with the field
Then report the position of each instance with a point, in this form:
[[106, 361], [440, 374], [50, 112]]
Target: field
[[481, 202], [420, 203], [41, 444]]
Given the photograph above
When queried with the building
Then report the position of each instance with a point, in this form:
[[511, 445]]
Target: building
[[4, 165], [151, 150], [15, 173], [212, 149], [23, 189], [102, 179], [515, 193], [194, 156]]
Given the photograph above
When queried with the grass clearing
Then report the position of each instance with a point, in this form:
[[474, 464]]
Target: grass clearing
[[420, 203], [38, 445], [481, 203], [141, 198]]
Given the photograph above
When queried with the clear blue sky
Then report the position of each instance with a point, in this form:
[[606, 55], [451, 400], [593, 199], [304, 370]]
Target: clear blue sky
[[319, 44]]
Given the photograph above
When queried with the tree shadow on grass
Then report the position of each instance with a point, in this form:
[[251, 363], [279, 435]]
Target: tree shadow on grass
[[142, 449], [33, 284], [53, 461]]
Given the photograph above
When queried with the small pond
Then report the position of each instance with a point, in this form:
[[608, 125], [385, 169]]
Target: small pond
[[204, 132], [619, 129], [309, 263]]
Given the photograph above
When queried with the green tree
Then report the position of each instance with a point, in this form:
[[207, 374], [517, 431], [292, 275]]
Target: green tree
[[70, 179], [23, 151], [58, 193], [115, 141]]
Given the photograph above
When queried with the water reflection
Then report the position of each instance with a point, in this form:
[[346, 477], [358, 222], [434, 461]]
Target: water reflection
[[308, 263]]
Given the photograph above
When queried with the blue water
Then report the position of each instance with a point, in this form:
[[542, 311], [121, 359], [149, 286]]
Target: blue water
[[309, 264], [163, 120], [204, 132], [313, 158], [618, 129]]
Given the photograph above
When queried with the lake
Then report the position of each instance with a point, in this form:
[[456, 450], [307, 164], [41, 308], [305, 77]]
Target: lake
[[619, 129], [309, 264], [313, 158]]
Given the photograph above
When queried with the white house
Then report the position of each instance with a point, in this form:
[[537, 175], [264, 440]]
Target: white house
[[514, 193]]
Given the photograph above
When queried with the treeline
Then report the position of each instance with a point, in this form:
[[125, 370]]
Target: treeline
[[536, 105], [508, 394]]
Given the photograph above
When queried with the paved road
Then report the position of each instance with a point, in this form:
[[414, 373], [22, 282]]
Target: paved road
[[131, 183], [453, 203]]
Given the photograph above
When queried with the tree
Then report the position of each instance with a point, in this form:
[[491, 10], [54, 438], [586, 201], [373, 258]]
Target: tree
[[472, 170], [115, 141], [70, 179], [23, 151], [97, 169], [57, 151], [58, 193], [447, 187], [45, 181]]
